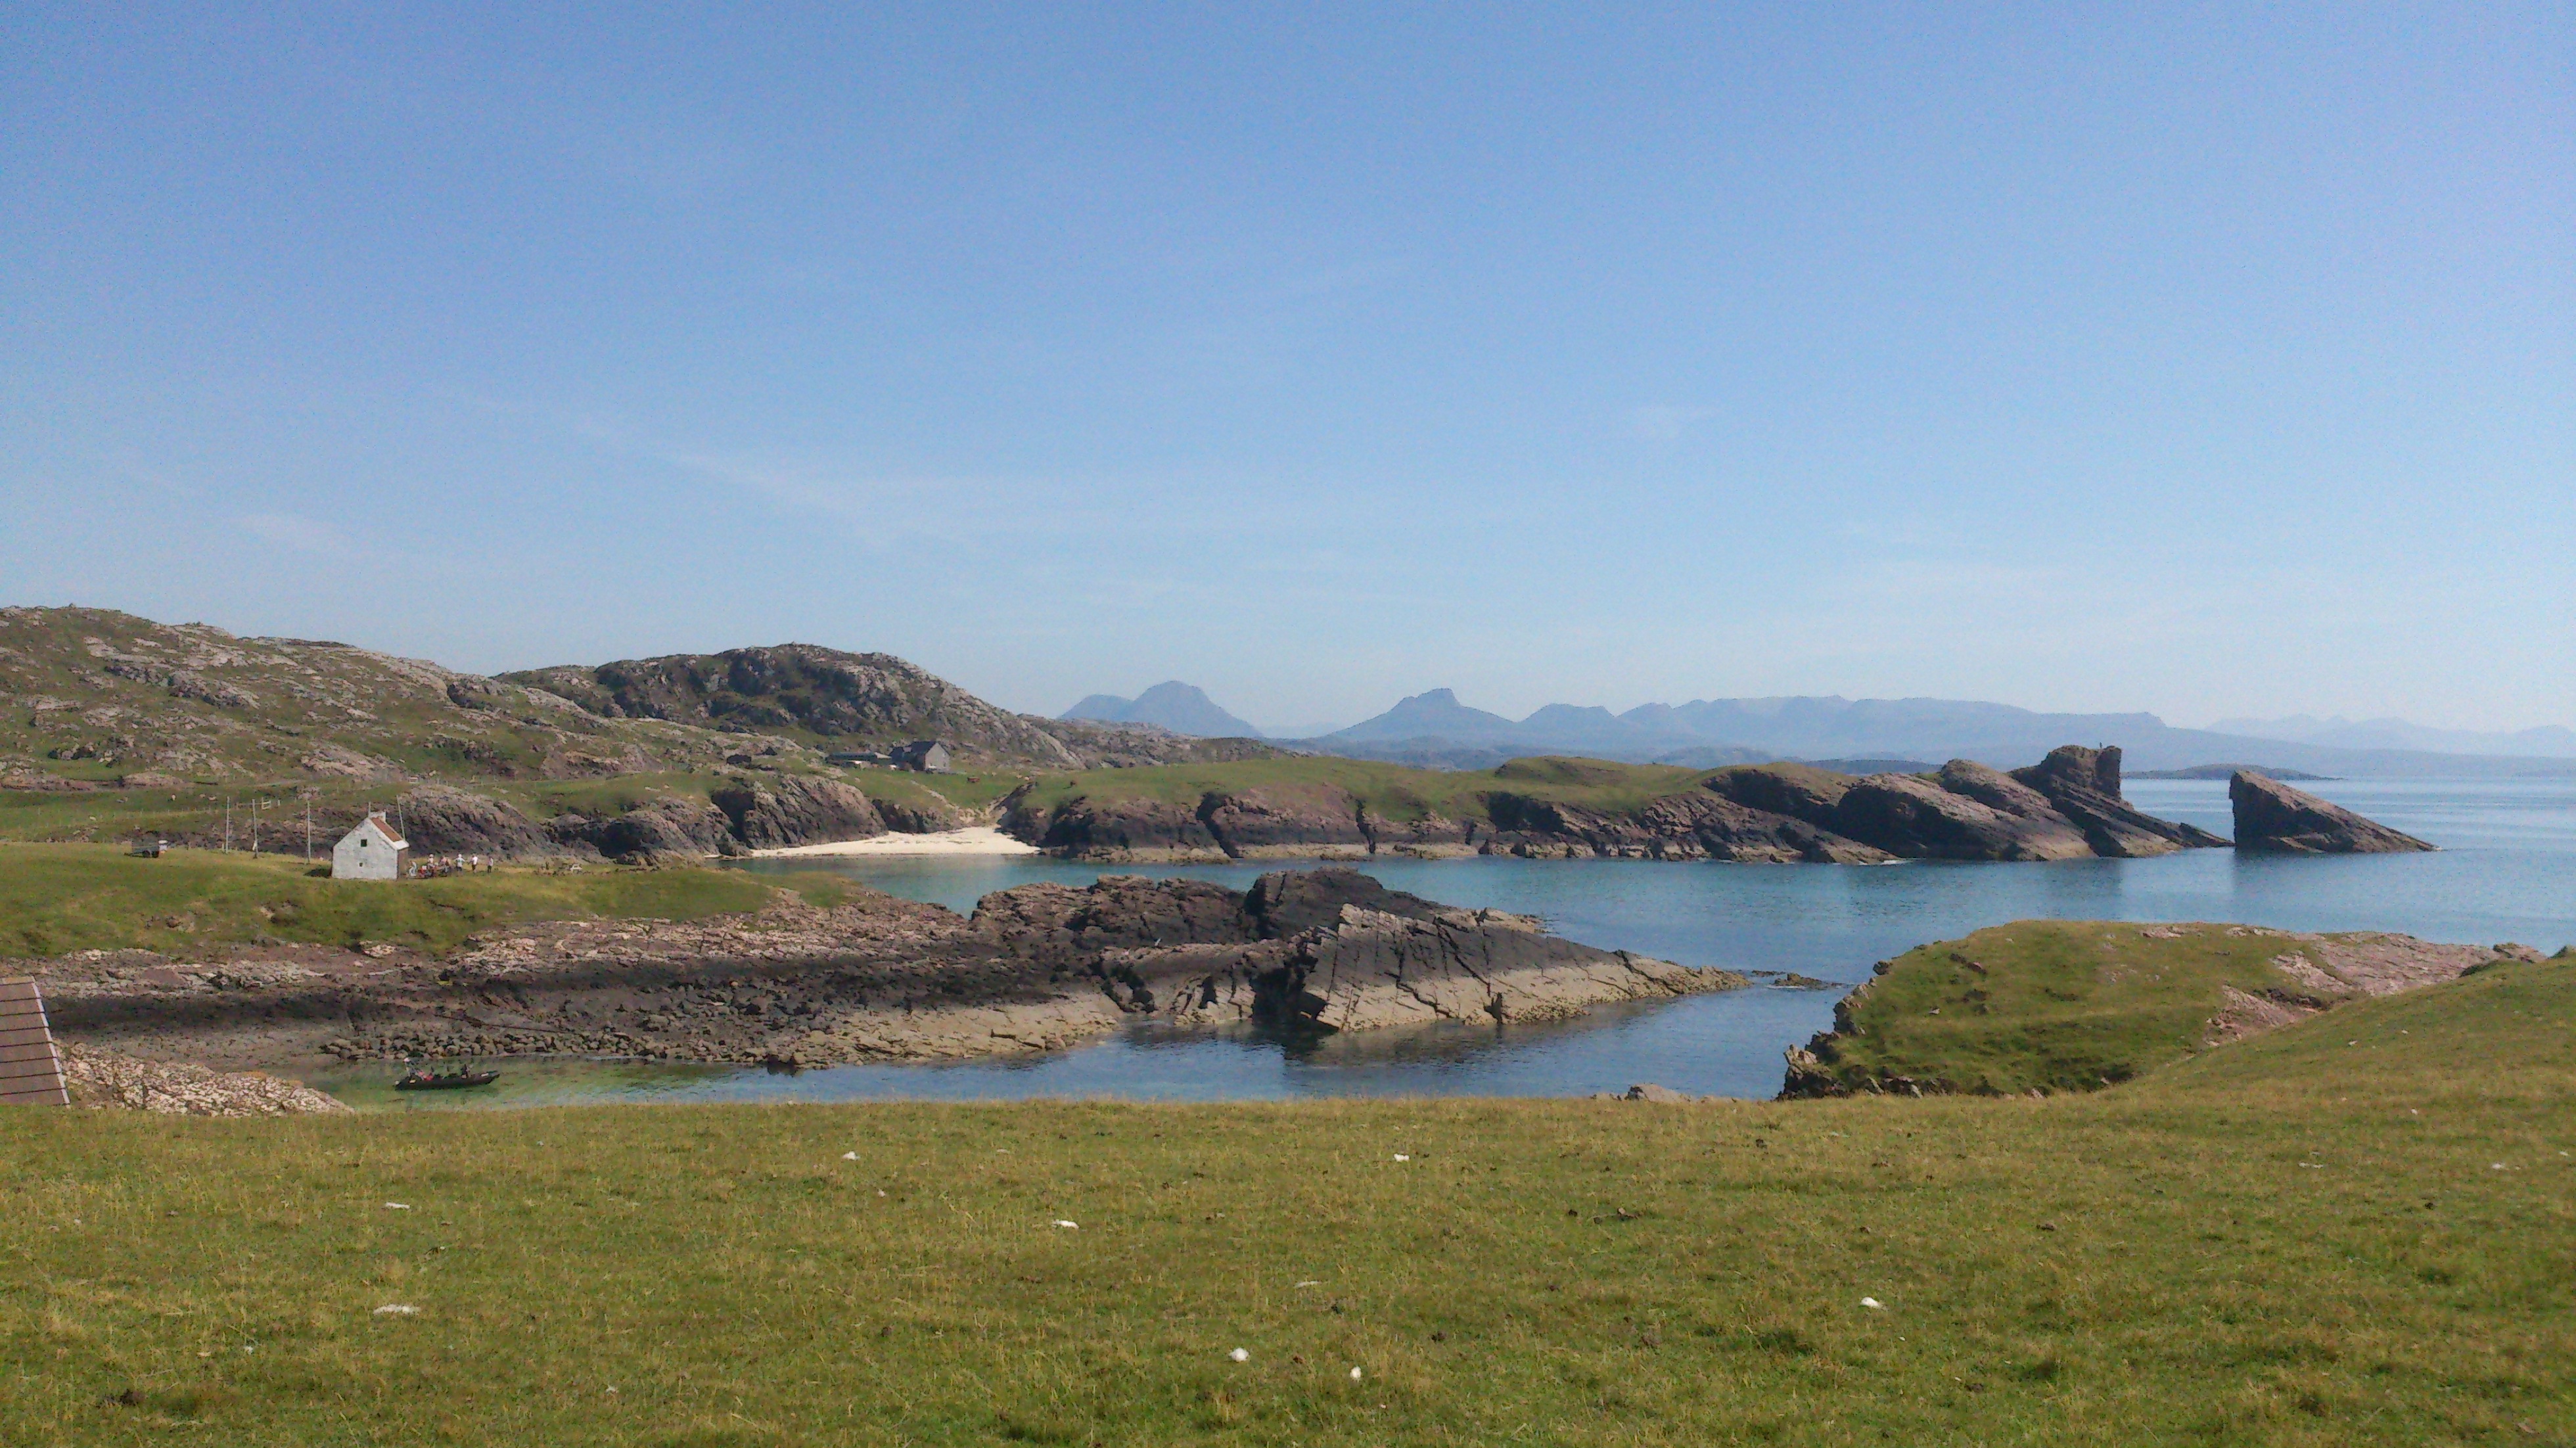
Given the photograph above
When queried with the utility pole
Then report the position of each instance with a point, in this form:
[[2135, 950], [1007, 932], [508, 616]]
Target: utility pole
[[254, 826], [308, 825], [228, 824]]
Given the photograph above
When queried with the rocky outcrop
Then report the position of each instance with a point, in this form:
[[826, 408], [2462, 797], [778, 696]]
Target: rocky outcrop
[[1034, 968], [1797, 791], [438, 820], [2084, 786], [2066, 807], [831, 694], [1282, 821], [1697, 825], [1333, 950], [792, 809], [1917, 819], [672, 829], [2273, 818], [1084, 828]]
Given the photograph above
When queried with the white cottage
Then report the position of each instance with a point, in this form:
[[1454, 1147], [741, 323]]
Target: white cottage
[[372, 851]]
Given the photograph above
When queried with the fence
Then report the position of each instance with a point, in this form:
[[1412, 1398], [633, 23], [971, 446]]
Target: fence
[[31, 1074]]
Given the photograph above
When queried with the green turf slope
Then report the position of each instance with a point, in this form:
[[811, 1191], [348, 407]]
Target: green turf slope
[[2047, 1005], [2356, 1231]]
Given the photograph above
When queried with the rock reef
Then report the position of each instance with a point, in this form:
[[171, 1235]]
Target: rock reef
[[1035, 968], [2068, 806]]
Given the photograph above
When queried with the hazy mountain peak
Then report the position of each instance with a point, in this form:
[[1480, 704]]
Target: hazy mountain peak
[[1181, 708]]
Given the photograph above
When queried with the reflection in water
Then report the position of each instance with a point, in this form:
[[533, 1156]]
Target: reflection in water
[[1715, 1045], [2507, 871]]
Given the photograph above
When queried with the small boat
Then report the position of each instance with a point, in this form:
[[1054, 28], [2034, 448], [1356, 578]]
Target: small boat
[[423, 1080]]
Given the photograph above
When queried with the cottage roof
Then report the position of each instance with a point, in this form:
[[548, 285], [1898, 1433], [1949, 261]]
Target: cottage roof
[[383, 827]]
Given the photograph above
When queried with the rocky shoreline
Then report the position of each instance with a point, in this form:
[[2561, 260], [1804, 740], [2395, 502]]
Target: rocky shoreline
[[2068, 806], [1035, 968]]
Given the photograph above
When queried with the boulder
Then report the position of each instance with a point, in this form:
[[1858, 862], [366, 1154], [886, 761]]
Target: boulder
[[2273, 818]]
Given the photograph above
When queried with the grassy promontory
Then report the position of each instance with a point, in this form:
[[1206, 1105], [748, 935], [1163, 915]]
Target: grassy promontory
[[2354, 1231], [2060, 1005]]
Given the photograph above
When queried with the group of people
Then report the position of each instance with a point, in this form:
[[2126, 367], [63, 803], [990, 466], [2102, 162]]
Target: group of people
[[437, 865]]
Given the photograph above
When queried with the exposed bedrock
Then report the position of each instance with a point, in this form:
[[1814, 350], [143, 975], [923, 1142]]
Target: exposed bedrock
[[2084, 785], [2273, 818], [1913, 817], [745, 814], [1034, 968], [439, 820], [2066, 807], [796, 810]]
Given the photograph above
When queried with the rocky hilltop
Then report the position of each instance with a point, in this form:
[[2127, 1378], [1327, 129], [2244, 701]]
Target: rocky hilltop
[[1034, 968], [804, 690], [103, 697], [2065, 807], [2273, 818], [725, 752]]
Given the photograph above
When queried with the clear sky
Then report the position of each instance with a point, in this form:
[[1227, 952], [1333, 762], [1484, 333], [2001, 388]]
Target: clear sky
[[2208, 360]]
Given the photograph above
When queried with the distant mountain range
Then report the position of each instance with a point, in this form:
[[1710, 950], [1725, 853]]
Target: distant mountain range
[[2552, 741], [1181, 708], [1436, 729]]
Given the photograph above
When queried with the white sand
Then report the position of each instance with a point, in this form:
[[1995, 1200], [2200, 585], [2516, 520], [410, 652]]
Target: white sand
[[983, 840]]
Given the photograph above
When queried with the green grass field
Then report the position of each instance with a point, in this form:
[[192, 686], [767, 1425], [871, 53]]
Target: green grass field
[[59, 898], [2361, 1230]]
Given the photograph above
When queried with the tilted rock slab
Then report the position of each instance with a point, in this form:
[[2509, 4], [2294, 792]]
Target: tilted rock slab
[[1374, 969], [2273, 818]]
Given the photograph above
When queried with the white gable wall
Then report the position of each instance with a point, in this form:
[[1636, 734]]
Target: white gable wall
[[369, 852]]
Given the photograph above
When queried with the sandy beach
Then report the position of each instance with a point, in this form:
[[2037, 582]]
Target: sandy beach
[[981, 840]]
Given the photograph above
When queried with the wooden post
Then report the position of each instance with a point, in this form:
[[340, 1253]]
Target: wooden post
[[31, 1071]]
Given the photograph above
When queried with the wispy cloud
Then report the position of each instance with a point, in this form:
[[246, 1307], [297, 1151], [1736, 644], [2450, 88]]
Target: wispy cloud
[[290, 530]]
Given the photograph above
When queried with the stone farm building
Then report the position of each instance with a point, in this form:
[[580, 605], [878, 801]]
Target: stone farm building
[[372, 851], [926, 755]]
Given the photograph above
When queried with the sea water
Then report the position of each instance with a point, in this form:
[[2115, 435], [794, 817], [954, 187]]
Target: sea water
[[2506, 871]]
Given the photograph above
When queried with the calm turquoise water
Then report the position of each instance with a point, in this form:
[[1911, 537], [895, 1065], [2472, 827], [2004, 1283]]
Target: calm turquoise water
[[2507, 871]]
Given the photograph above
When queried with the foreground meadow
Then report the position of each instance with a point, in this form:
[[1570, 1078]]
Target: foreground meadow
[[2355, 1231]]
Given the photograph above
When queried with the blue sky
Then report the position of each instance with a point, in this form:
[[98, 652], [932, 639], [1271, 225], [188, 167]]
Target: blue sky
[[2204, 360]]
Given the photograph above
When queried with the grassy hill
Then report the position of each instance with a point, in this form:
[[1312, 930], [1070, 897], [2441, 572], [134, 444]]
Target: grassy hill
[[2355, 1231]]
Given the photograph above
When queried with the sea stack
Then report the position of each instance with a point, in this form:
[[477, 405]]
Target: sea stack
[[2271, 817]]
